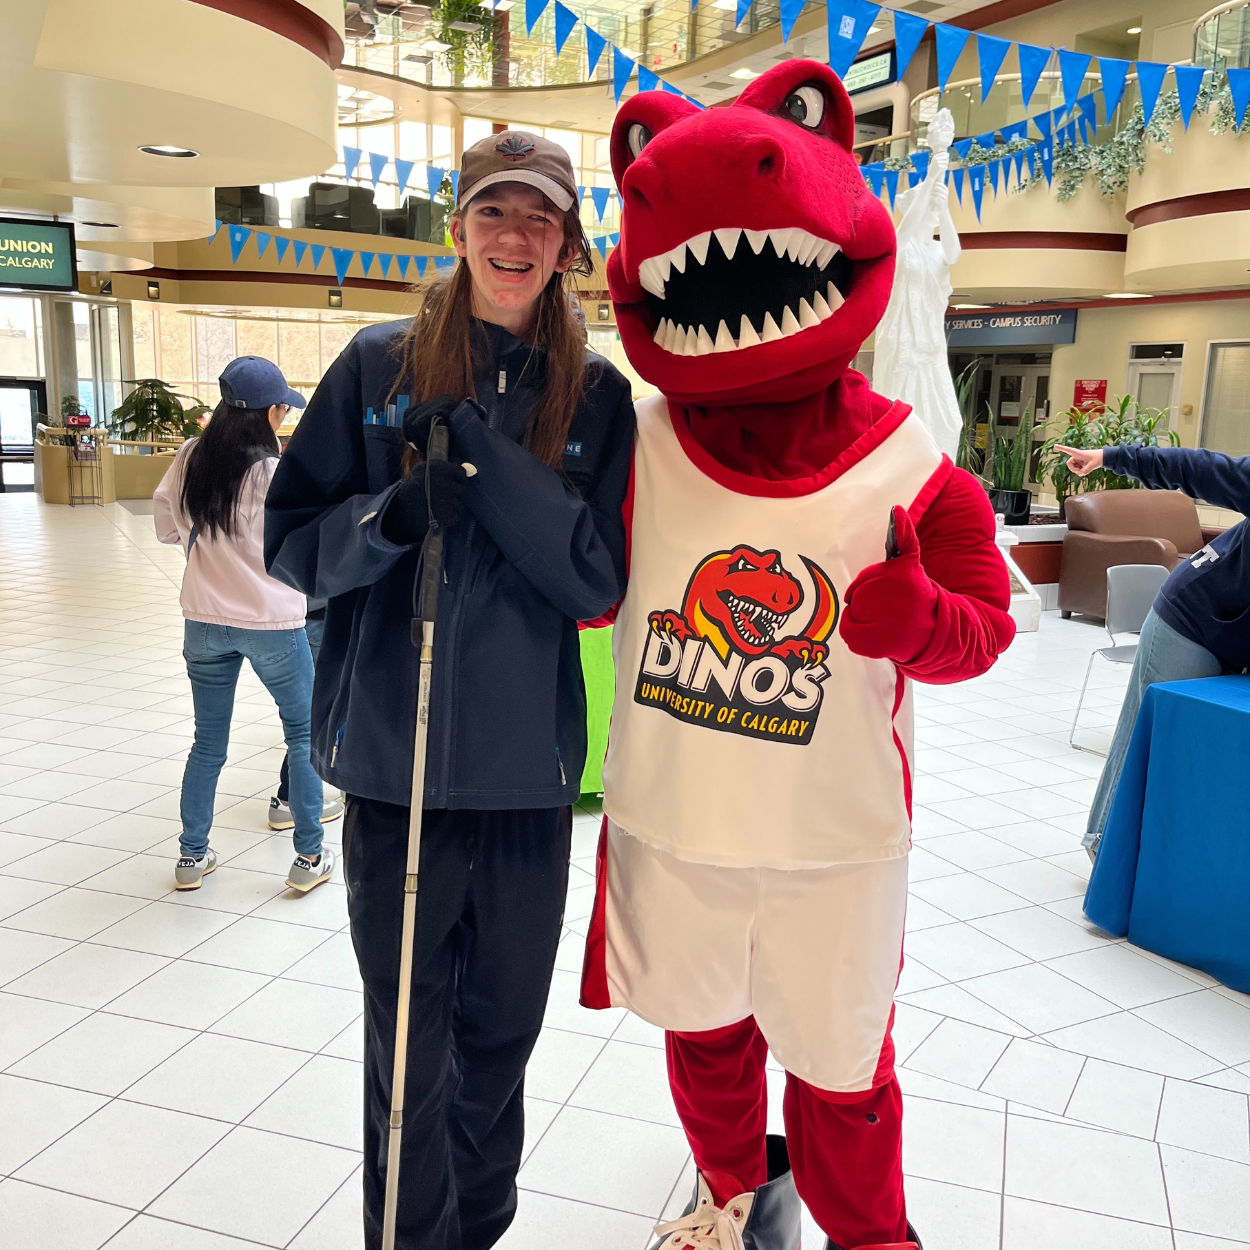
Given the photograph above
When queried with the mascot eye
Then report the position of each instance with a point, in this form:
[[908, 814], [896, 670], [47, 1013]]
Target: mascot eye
[[637, 138], [806, 105], [742, 566]]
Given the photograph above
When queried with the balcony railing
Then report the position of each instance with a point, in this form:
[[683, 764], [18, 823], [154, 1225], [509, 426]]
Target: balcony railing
[[1222, 37]]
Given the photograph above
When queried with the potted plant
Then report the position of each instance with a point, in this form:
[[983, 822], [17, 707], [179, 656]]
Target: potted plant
[[152, 412], [1123, 421], [1009, 462], [968, 455]]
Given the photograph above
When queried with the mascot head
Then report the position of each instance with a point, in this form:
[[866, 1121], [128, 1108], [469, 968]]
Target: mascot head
[[753, 261]]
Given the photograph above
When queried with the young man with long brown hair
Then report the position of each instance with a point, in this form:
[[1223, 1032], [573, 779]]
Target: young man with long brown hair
[[535, 542]]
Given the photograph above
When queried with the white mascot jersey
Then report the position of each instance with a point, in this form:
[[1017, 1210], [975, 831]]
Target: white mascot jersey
[[744, 732]]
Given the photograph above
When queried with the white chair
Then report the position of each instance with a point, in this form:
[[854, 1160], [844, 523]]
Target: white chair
[[1131, 589]]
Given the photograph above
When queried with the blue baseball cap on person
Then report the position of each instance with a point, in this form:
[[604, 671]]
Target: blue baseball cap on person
[[254, 382]]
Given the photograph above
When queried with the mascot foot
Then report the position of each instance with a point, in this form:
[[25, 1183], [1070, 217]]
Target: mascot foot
[[765, 1219], [912, 1243]]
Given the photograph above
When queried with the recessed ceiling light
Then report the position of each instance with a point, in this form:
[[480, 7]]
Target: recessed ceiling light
[[503, 6], [435, 45], [1126, 295], [1133, 30], [166, 149], [966, 307], [729, 5], [104, 225], [744, 73]]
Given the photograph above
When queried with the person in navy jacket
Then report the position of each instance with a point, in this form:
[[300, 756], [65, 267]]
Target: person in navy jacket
[[535, 543], [1199, 625]]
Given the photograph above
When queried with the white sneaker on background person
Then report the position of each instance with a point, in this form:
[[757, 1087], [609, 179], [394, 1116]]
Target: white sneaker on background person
[[189, 872], [280, 816], [307, 873]]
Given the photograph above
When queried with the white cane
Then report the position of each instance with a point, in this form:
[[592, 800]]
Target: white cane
[[430, 577]]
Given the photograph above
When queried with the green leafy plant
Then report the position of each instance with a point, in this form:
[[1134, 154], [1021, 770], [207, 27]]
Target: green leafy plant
[[152, 412], [468, 51], [968, 455], [1122, 422], [1009, 460]]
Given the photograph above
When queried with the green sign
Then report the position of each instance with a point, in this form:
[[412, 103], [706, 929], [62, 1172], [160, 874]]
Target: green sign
[[872, 71], [37, 255]]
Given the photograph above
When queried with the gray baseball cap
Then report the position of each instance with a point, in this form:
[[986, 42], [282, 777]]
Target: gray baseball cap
[[518, 156]]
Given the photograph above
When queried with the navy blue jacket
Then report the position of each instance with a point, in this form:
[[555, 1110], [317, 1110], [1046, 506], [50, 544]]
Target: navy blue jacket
[[533, 554], [1207, 597]]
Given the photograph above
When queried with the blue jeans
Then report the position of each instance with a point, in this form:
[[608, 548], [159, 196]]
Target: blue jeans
[[315, 628], [282, 660], [1162, 655]]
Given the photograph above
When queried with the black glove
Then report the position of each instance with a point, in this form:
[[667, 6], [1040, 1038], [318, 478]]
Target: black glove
[[417, 420], [407, 516]]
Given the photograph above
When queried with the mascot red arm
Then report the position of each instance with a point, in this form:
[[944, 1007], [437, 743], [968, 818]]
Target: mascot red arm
[[752, 873]]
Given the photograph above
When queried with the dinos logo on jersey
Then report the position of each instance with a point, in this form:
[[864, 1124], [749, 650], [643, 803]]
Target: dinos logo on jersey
[[720, 662]]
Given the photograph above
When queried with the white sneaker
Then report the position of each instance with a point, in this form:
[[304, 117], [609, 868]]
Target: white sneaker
[[304, 874], [189, 873], [281, 817]]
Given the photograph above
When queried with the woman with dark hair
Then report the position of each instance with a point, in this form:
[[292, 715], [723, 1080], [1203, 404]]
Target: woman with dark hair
[[212, 502], [535, 543]]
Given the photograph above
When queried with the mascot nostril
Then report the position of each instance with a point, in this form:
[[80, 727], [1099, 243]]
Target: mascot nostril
[[752, 871]]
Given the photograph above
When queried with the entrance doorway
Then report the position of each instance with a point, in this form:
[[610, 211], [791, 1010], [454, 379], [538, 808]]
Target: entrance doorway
[[1004, 388], [21, 401], [1154, 375]]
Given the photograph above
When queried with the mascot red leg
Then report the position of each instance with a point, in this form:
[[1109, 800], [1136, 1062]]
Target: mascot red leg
[[799, 553]]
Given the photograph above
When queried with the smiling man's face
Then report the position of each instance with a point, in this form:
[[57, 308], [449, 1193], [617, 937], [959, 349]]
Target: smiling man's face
[[511, 237]]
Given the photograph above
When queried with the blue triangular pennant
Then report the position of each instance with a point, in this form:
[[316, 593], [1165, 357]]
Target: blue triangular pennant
[[377, 163], [622, 68], [384, 263], [1088, 120], [262, 242], [1018, 161], [921, 162], [299, 247], [950, 43], [1032, 62], [1017, 130], [849, 23], [987, 141], [992, 170], [647, 81], [434, 179], [421, 262], [913, 178], [790, 10], [962, 148], [1046, 154], [342, 259], [533, 11], [976, 180], [601, 243], [401, 263], [1188, 84], [280, 244], [1043, 122], [366, 260], [444, 263], [403, 171], [600, 197], [595, 44], [239, 235], [614, 238], [744, 7], [1239, 88], [581, 195], [1069, 134], [1149, 80], [351, 158], [318, 251], [1072, 68], [566, 19], [454, 177], [216, 230], [990, 52], [891, 185], [957, 177], [1114, 74], [876, 178], [908, 32]]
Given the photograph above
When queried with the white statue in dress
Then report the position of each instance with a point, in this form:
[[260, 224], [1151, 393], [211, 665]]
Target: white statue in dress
[[909, 360]]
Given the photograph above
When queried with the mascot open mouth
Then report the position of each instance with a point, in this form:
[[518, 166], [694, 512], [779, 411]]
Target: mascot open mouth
[[727, 289], [754, 623]]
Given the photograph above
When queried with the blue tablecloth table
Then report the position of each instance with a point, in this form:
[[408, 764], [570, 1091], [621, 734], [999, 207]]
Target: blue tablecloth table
[[1173, 867]]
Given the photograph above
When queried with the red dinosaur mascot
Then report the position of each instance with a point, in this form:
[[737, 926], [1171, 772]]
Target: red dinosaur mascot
[[799, 550]]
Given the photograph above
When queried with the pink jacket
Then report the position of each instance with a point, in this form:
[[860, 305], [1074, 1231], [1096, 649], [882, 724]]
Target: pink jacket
[[225, 582]]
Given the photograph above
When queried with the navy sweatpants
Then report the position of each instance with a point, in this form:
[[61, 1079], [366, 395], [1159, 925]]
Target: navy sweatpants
[[490, 904]]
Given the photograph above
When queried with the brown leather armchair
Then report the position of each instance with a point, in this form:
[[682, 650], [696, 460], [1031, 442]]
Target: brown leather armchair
[[1110, 527]]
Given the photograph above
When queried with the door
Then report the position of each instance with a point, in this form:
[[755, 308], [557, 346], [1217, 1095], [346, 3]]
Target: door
[[1155, 384], [21, 400]]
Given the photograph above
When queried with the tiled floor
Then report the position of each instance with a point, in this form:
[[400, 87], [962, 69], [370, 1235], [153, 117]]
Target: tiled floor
[[181, 1072]]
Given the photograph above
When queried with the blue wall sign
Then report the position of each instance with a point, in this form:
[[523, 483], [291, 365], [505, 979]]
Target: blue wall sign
[[1010, 329]]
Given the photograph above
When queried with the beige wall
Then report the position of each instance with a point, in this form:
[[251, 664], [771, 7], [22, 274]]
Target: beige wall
[[1059, 24], [1103, 337]]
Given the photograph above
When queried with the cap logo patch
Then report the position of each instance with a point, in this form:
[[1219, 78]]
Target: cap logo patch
[[514, 148]]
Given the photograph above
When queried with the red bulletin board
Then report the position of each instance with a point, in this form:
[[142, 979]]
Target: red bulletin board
[[1089, 393]]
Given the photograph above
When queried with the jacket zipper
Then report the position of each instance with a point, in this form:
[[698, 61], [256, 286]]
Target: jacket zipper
[[564, 781], [338, 740]]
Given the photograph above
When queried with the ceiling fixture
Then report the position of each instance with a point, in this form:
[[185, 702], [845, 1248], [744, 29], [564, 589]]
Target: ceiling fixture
[[1133, 30], [744, 73], [166, 149], [468, 28], [103, 225], [434, 45], [1126, 295], [729, 5], [969, 307]]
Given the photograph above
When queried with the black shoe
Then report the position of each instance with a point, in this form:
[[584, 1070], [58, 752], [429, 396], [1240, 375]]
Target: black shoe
[[766, 1219]]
